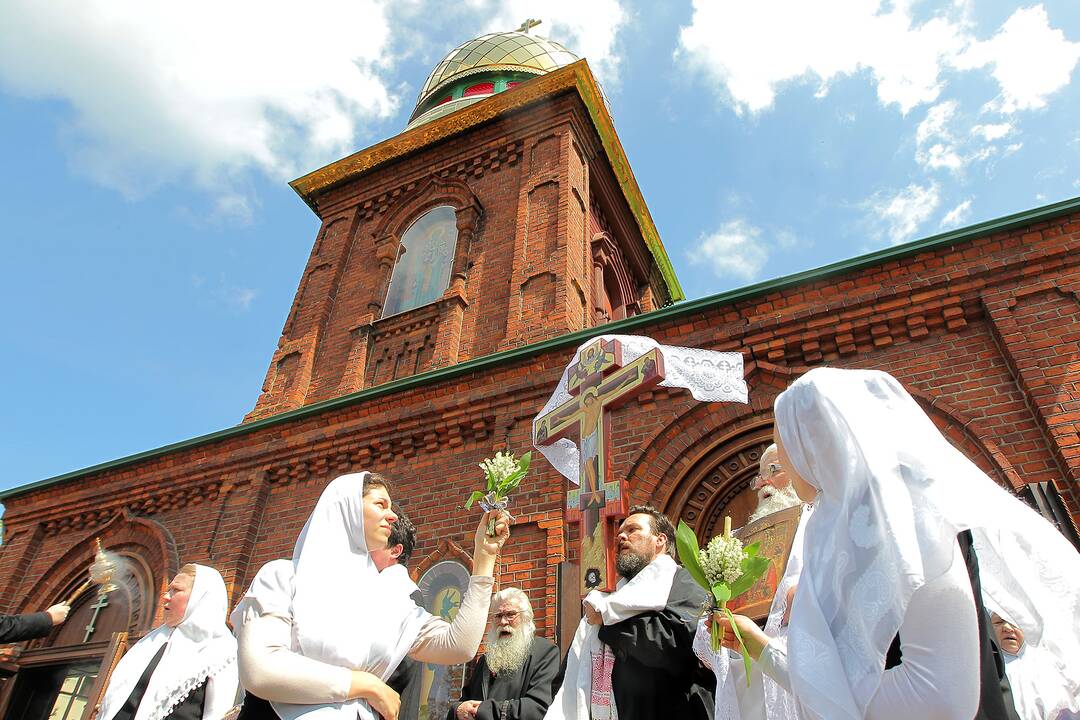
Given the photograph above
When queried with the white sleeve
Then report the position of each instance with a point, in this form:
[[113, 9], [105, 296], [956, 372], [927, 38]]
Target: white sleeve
[[454, 643], [938, 678], [271, 670], [774, 662], [221, 693]]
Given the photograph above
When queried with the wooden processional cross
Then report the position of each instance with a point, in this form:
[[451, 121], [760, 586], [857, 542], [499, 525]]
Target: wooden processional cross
[[598, 381]]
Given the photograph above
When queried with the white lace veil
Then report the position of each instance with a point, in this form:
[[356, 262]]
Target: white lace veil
[[779, 704], [893, 494], [200, 647], [343, 614]]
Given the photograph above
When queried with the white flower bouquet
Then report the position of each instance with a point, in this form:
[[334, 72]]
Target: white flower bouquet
[[725, 569], [503, 473]]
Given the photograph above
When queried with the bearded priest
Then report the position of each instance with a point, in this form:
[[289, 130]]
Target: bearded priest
[[514, 678]]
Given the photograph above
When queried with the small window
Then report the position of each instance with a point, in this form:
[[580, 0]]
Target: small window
[[479, 89], [422, 271]]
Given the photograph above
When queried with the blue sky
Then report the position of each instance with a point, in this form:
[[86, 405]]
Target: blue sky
[[152, 246]]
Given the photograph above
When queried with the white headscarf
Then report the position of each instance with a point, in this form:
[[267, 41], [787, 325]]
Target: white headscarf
[[893, 496], [270, 592], [1039, 690], [200, 647], [343, 613]]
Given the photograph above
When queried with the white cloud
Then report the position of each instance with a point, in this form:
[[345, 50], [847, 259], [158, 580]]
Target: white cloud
[[935, 145], [749, 49], [899, 216], [1030, 59], [993, 132], [202, 92], [957, 216], [588, 29], [736, 248]]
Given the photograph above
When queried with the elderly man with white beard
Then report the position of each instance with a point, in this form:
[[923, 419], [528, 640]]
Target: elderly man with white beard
[[514, 678]]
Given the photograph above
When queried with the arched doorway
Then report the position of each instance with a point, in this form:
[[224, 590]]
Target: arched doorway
[[57, 676], [718, 482]]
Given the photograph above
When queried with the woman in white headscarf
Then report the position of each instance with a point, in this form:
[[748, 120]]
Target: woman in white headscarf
[[322, 640], [1038, 690], [882, 558], [185, 669]]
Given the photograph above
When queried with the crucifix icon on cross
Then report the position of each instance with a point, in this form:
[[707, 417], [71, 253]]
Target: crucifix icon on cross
[[598, 381]]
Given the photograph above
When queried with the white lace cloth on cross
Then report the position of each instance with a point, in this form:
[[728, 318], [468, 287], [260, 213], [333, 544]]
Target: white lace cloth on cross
[[710, 376]]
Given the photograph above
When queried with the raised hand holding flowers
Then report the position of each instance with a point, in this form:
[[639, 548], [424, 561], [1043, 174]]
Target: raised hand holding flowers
[[503, 473], [726, 570]]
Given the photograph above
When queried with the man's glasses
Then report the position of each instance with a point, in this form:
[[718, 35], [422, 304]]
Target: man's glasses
[[770, 472], [509, 616]]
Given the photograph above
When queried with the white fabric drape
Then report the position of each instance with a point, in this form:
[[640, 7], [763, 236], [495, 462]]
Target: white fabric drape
[[342, 613], [893, 494], [763, 697], [710, 376], [648, 590], [270, 592], [199, 648]]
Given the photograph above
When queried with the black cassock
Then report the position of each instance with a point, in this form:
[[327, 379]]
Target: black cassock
[[656, 674], [521, 695]]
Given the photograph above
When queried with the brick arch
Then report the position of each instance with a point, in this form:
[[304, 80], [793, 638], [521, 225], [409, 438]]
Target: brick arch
[[693, 467], [149, 550], [436, 191], [966, 435]]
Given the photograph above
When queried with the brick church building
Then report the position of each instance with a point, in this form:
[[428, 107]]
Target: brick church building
[[458, 266]]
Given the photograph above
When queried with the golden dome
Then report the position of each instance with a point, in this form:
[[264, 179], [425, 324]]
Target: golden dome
[[495, 52]]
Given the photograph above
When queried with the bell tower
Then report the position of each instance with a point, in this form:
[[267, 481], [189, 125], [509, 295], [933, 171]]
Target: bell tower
[[504, 214]]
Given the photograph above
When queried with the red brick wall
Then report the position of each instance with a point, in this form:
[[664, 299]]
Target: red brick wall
[[985, 334]]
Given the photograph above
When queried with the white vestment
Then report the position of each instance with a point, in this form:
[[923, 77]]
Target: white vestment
[[648, 590]]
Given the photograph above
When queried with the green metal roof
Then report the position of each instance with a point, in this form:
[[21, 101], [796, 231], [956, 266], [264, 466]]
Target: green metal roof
[[574, 339]]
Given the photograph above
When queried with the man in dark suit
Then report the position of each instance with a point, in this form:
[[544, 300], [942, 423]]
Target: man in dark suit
[[14, 628], [514, 679], [408, 676]]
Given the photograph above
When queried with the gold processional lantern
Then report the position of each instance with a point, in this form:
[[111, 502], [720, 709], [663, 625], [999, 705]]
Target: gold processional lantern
[[102, 571]]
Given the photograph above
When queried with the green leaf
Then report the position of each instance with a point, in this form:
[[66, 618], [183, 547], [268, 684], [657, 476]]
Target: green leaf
[[721, 592], [686, 542], [753, 568], [473, 498], [742, 646], [525, 461], [751, 550]]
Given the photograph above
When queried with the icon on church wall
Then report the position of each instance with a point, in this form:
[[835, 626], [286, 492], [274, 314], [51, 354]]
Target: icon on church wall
[[443, 587], [422, 271]]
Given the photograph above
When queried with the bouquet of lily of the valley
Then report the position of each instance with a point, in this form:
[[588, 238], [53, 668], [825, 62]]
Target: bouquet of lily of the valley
[[726, 570], [504, 473]]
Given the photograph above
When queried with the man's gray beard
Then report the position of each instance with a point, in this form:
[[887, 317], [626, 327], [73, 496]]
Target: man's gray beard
[[782, 499], [507, 653], [628, 564]]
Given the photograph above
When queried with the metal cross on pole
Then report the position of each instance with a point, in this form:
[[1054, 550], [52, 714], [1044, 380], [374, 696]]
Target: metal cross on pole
[[598, 381]]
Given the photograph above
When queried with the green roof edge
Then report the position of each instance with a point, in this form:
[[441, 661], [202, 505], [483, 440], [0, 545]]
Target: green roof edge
[[573, 339]]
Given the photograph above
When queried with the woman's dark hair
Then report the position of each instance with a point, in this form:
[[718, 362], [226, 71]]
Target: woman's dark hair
[[375, 480]]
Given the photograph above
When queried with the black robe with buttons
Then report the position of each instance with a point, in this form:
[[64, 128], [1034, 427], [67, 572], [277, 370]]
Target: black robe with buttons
[[656, 674], [524, 694]]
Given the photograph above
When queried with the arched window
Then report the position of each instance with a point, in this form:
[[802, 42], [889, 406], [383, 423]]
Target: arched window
[[422, 271]]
